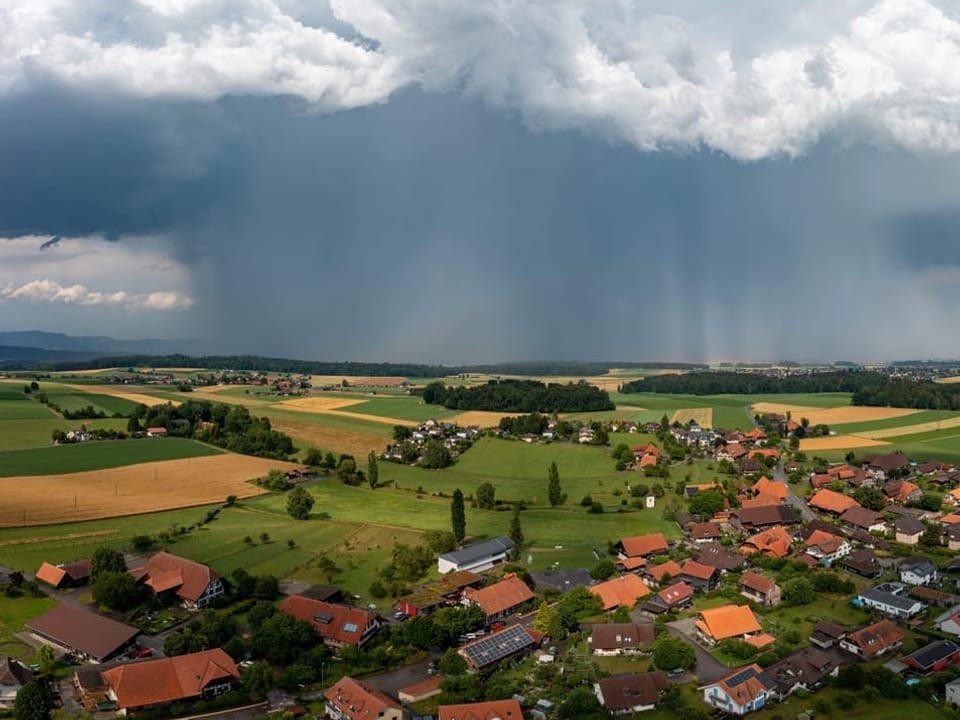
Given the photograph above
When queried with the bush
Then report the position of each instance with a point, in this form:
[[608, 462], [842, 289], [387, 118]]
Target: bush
[[587, 501], [595, 509]]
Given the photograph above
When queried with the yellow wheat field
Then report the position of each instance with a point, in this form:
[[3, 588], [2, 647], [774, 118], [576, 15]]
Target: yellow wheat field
[[480, 418], [783, 409], [341, 441], [911, 429], [837, 442], [130, 490], [852, 414], [316, 404], [357, 380], [702, 416]]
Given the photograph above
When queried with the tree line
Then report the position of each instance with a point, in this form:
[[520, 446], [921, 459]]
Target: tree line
[[525, 396]]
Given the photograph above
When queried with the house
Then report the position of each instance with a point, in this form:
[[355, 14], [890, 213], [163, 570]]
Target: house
[[490, 710], [336, 625], [755, 518], [75, 574], [702, 578], [806, 669], [657, 574], [750, 466], [818, 481], [82, 632], [756, 436], [883, 465], [949, 621], [672, 597], [693, 488], [952, 690], [623, 591], [933, 657], [774, 542], [715, 555], [621, 638], [908, 530], [832, 502], [863, 562], [762, 590], [353, 699], [864, 519], [626, 694], [13, 676], [476, 557], [501, 599], [420, 691], [901, 491], [953, 536], [727, 621], [743, 691], [918, 571], [642, 546], [873, 640], [827, 634], [774, 490], [826, 548], [731, 452], [154, 683], [492, 649], [157, 432], [434, 595], [705, 532], [890, 598], [195, 585]]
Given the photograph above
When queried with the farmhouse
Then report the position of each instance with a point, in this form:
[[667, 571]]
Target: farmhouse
[[934, 657], [658, 574], [890, 598], [353, 699], [621, 638], [434, 595], [832, 502], [83, 633], [728, 621], [476, 557], [336, 625], [75, 574], [154, 683], [194, 584], [755, 518], [715, 555], [157, 432], [773, 542], [873, 640], [901, 491], [623, 591], [490, 710], [627, 694], [705, 532], [673, 597], [860, 517], [762, 590], [642, 546], [918, 571], [500, 599], [883, 465], [13, 676], [826, 548], [492, 649], [743, 691], [863, 562], [702, 578], [908, 530]]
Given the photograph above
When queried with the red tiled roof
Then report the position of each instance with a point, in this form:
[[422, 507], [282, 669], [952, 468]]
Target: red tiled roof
[[756, 582], [761, 640], [675, 593], [169, 679], [833, 502], [501, 596], [490, 710], [765, 486], [357, 700], [773, 542], [632, 563], [701, 531], [165, 571], [697, 570], [875, 638], [346, 626], [657, 572], [727, 621], [748, 689], [644, 544], [50, 574], [620, 591]]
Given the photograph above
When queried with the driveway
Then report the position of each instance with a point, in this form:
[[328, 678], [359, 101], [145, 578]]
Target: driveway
[[708, 668], [795, 501]]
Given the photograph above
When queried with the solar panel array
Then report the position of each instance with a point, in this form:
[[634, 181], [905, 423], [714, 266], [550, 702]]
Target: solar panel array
[[498, 646], [350, 627], [741, 677]]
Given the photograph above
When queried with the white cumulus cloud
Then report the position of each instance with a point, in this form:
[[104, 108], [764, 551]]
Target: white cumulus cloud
[[750, 79], [50, 291]]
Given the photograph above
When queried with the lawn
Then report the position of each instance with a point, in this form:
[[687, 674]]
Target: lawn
[[21, 434], [14, 613], [98, 455]]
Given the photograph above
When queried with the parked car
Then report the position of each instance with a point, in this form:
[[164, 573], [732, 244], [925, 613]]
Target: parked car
[[143, 653], [677, 672]]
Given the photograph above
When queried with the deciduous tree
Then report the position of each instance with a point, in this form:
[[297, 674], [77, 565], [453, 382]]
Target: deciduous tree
[[486, 496], [299, 503]]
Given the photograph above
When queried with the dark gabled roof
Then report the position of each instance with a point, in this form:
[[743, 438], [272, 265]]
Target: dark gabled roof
[[82, 630], [888, 462], [918, 566], [808, 665], [626, 691], [610, 636], [493, 648], [767, 515], [897, 601], [829, 629], [861, 517], [478, 551], [929, 655], [14, 673], [908, 525], [820, 525], [715, 555], [324, 593]]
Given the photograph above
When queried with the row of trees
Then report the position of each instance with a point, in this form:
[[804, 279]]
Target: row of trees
[[525, 396]]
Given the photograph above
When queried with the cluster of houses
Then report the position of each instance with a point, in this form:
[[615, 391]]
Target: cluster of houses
[[455, 438]]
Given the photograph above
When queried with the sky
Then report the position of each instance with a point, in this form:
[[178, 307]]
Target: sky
[[452, 181]]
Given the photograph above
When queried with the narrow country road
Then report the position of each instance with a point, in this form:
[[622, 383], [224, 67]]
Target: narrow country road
[[794, 500], [708, 668]]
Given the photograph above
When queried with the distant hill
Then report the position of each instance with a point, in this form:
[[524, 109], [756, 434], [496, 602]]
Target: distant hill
[[97, 346], [18, 354]]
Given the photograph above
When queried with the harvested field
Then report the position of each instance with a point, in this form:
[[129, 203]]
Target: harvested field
[[326, 438], [480, 417], [703, 416], [949, 380], [912, 429], [852, 414], [359, 380], [130, 490], [120, 391], [782, 409], [317, 404], [837, 442]]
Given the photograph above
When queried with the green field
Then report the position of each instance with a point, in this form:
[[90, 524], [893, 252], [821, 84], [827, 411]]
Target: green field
[[73, 401], [14, 614], [98, 455], [21, 434], [16, 405], [923, 416]]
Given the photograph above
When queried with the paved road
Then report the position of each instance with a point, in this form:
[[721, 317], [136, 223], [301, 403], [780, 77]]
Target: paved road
[[708, 668], [794, 500]]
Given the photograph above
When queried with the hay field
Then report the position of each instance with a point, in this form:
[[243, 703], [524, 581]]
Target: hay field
[[912, 429], [482, 418], [362, 380], [852, 414], [98, 371], [782, 409], [130, 490], [328, 438], [838, 442], [949, 380], [120, 391], [703, 416], [315, 404]]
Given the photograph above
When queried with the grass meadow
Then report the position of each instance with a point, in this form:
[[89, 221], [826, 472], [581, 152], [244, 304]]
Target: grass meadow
[[98, 455], [36, 433]]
